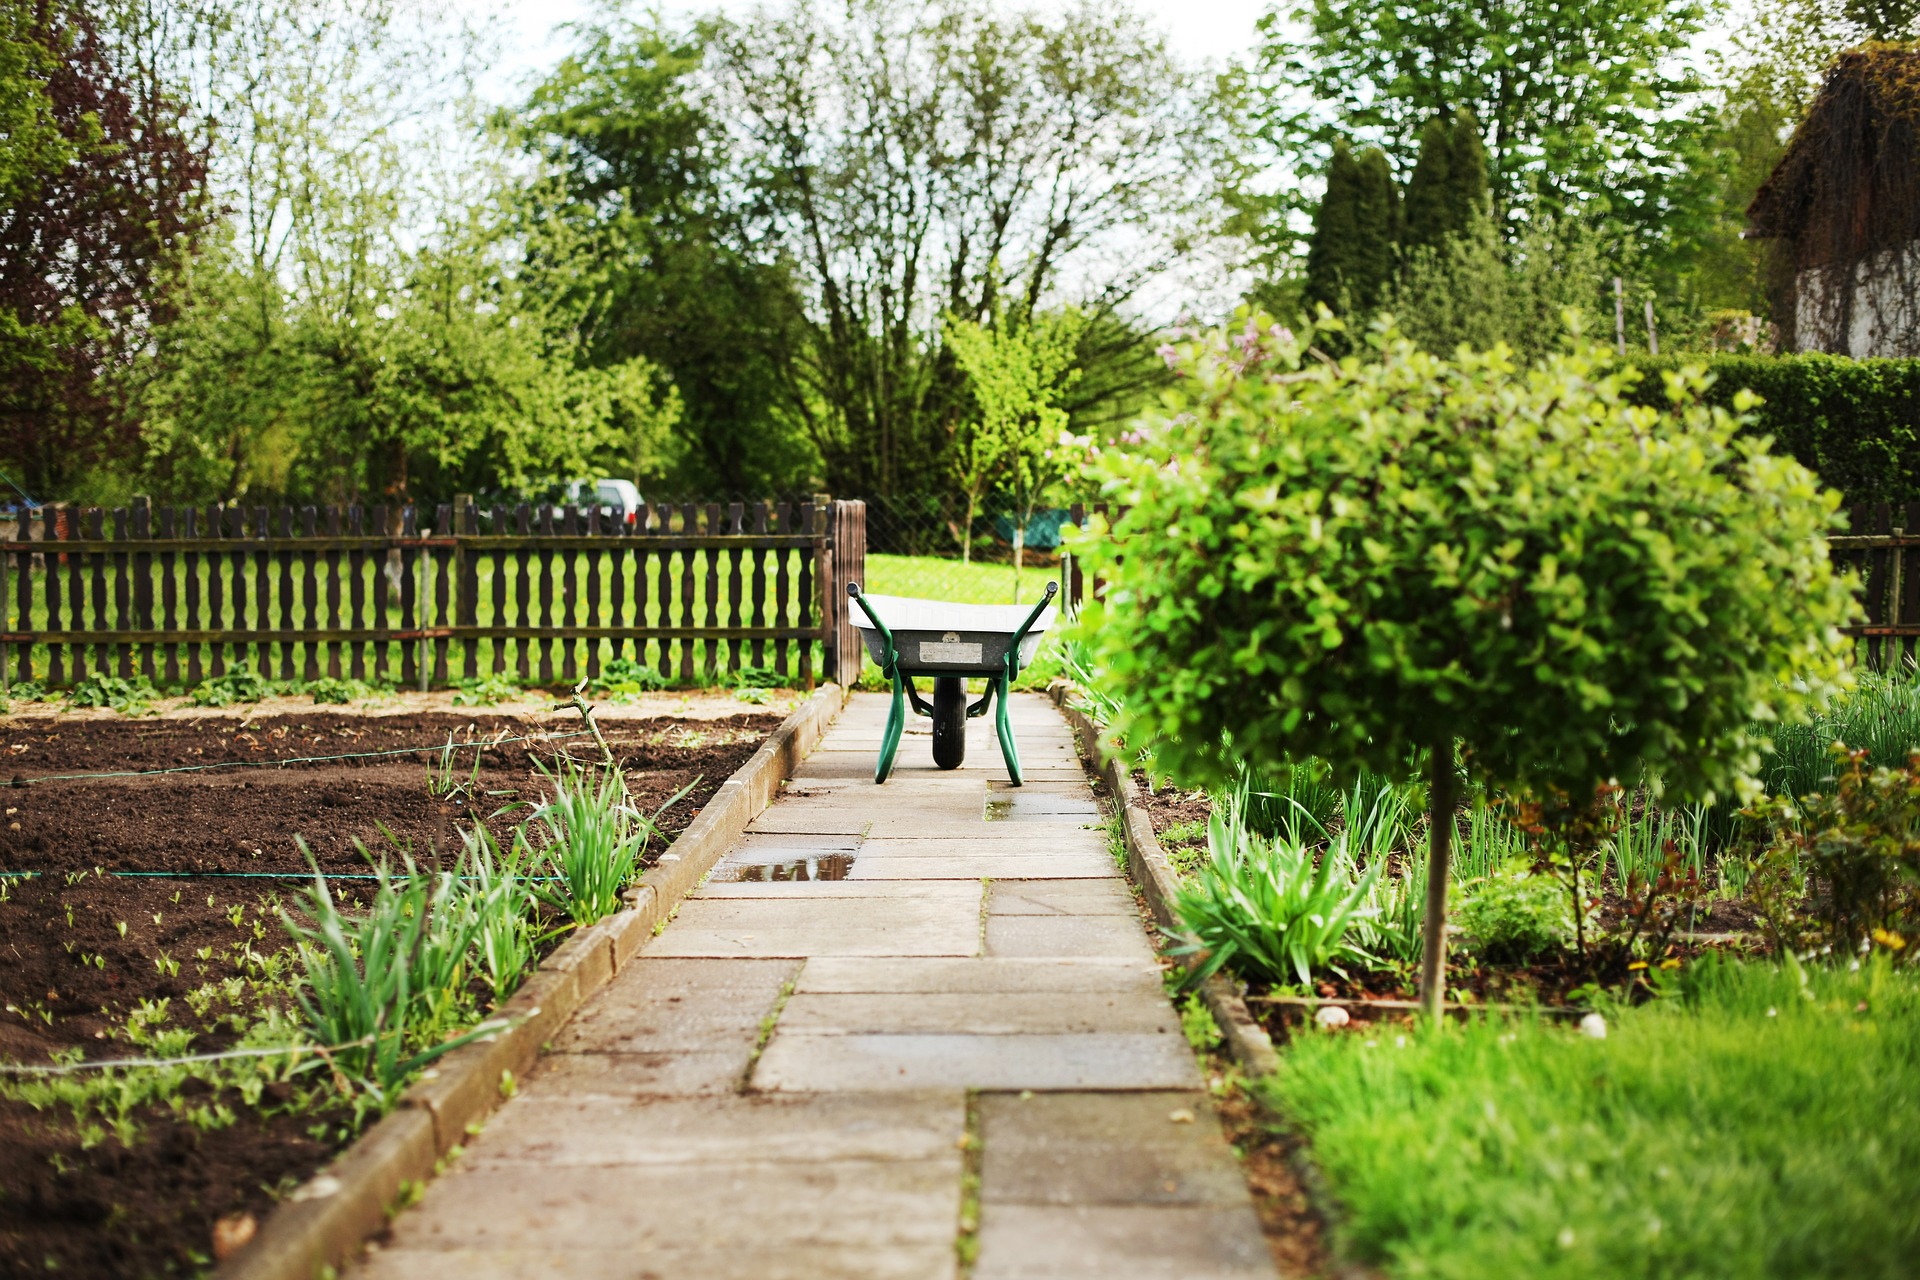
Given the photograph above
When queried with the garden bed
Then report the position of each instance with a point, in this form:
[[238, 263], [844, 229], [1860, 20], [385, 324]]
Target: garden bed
[[84, 948]]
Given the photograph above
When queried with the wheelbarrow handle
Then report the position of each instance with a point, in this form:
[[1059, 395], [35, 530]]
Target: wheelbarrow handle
[[886, 633], [1013, 654]]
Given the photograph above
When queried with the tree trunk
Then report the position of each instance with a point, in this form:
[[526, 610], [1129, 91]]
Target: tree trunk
[[1019, 549], [1433, 960]]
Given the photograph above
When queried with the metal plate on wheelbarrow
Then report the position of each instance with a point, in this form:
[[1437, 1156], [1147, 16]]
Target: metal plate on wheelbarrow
[[937, 637]]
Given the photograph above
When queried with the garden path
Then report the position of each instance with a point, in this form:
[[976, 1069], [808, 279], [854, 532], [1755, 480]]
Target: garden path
[[807, 1078]]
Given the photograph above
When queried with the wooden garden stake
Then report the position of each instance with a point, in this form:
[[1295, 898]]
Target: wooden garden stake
[[1433, 954]]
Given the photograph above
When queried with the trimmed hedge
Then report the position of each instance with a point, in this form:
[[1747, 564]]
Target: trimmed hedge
[[1856, 422]]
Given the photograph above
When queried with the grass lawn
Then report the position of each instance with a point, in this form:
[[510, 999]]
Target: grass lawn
[[1752, 1127], [934, 578]]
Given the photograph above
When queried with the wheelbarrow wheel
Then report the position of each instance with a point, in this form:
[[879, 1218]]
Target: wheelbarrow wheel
[[949, 721]]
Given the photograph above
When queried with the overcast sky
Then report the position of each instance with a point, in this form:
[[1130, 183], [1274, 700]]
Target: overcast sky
[[1213, 30]]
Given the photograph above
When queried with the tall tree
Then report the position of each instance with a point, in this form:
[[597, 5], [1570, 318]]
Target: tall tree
[[915, 161], [1448, 186], [1351, 258], [1579, 104], [626, 120], [99, 192]]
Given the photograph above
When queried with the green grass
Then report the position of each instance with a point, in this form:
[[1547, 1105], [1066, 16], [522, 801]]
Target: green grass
[[936, 578], [1750, 1127]]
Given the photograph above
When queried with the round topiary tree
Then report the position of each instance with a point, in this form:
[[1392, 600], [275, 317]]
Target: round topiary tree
[[1360, 559]]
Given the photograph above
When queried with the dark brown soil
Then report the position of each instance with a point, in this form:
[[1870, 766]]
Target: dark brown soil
[[70, 974]]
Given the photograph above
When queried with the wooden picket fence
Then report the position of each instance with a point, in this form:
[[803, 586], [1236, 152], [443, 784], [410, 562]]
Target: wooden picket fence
[[1879, 550], [543, 595]]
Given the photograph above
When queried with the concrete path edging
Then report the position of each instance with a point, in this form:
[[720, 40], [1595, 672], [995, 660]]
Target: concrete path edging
[[1147, 863], [326, 1220]]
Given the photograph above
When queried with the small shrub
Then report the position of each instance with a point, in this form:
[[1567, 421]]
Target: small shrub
[[243, 685], [131, 696], [761, 678], [1514, 916], [486, 691]]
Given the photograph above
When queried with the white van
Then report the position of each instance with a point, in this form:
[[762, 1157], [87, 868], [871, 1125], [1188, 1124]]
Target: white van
[[618, 500]]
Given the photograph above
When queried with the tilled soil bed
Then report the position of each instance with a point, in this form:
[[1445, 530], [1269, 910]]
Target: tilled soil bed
[[82, 947]]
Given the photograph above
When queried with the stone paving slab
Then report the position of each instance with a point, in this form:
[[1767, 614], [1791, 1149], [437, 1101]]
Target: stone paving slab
[[1140, 1242], [743, 1128], [818, 890], [664, 1205], [1106, 897], [651, 1073], [848, 974], [657, 1004], [990, 866], [732, 1259], [978, 1013], [818, 1063], [1001, 838], [945, 925], [1120, 937], [1105, 1148]]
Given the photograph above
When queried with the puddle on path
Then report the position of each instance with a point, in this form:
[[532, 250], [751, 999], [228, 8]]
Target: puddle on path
[[831, 866], [761, 857]]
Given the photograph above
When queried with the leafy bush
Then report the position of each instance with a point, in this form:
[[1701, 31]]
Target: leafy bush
[[1759, 1125], [336, 691], [623, 679], [242, 685], [1512, 916], [131, 696], [484, 691], [1859, 845], [1270, 909], [1856, 422], [1359, 560]]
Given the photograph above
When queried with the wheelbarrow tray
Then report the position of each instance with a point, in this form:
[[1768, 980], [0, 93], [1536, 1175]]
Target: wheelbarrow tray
[[940, 638]]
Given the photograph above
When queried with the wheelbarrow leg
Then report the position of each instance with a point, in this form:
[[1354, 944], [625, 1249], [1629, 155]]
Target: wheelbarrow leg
[[1009, 752], [896, 722]]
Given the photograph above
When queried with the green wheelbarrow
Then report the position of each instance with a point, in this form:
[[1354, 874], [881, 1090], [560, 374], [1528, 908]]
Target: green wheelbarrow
[[948, 643]]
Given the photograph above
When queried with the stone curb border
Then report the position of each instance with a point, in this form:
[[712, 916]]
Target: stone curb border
[[1147, 863], [326, 1220]]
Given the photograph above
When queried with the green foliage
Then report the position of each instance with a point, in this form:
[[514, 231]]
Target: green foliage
[[1353, 561], [1471, 288], [1859, 846], [387, 984], [241, 685], [484, 691], [113, 1100], [1447, 190], [1760, 1125], [1855, 422], [1269, 908], [499, 886], [336, 691], [1513, 916], [1351, 257], [129, 695], [1017, 375], [624, 679], [1579, 105], [592, 841]]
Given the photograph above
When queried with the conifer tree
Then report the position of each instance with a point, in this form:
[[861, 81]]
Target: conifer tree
[[1430, 189], [1350, 259]]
